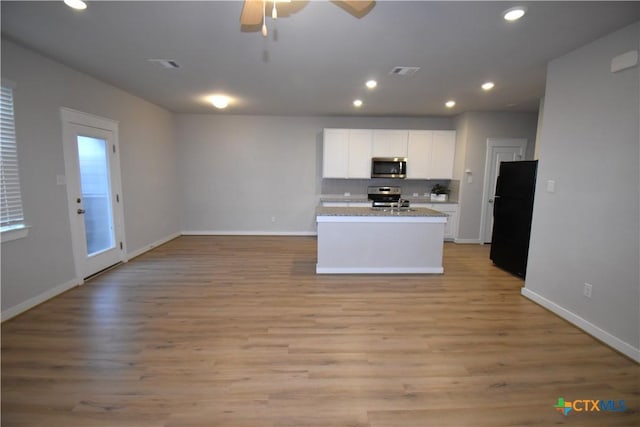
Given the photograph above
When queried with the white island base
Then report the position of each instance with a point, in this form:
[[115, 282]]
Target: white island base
[[380, 244]]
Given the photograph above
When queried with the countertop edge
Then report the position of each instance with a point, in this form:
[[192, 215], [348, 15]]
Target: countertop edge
[[366, 212]]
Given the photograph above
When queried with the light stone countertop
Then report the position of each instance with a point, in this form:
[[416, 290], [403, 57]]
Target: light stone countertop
[[369, 212]]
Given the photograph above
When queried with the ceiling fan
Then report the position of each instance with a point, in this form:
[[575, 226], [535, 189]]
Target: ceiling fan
[[254, 11]]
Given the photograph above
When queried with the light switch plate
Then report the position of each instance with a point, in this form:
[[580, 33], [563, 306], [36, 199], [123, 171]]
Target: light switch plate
[[551, 186]]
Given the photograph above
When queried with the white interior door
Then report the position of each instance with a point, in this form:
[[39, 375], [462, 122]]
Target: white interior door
[[498, 151], [93, 188]]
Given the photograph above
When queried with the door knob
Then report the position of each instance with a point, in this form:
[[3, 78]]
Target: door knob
[[81, 211]]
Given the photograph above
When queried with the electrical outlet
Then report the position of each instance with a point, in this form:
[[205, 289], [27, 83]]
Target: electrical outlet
[[273, 219], [587, 290]]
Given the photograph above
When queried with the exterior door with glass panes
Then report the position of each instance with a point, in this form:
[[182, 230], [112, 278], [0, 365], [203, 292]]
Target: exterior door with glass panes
[[92, 168]]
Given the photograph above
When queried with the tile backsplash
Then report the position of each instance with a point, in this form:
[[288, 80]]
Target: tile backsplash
[[409, 187]]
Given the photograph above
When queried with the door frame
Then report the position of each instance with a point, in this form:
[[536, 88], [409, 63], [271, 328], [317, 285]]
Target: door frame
[[74, 117], [491, 143]]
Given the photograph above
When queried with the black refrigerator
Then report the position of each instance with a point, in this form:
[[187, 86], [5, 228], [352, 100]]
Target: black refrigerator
[[512, 212]]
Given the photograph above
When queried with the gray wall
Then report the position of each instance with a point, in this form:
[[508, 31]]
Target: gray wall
[[471, 145], [588, 229], [43, 261], [239, 173]]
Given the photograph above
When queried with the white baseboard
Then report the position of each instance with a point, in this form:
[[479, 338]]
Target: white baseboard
[[147, 248], [468, 241], [247, 233], [604, 336], [38, 299], [379, 270]]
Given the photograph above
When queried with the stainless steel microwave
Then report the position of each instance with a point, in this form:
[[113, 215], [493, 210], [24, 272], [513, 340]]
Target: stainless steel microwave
[[389, 167]]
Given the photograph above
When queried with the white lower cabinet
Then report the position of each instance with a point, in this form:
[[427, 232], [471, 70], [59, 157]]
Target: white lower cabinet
[[451, 209]]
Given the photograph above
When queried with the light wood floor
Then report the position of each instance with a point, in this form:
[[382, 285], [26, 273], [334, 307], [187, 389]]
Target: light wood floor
[[239, 332]]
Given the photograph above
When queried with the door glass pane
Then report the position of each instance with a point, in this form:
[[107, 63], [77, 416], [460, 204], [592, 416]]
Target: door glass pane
[[96, 194]]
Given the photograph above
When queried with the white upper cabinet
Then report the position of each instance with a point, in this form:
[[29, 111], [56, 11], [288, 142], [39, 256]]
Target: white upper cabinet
[[431, 154], [347, 153], [419, 154], [359, 164], [390, 143], [335, 153], [443, 154]]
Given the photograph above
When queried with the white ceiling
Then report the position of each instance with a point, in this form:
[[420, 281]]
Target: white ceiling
[[316, 60]]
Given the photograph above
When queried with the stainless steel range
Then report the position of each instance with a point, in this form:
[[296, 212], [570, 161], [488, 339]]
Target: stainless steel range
[[386, 197]]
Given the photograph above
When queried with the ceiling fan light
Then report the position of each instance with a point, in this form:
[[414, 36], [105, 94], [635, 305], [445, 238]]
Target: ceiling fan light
[[220, 101], [488, 85], [514, 13], [76, 4]]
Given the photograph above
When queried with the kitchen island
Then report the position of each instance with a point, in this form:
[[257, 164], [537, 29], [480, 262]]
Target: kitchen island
[[354, 240]]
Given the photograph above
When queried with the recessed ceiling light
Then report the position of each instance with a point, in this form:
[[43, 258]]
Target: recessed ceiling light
[[220, 101], [76, 4], [488, 85], [357, 103], [450, 104], [514, 13], [371, 84]]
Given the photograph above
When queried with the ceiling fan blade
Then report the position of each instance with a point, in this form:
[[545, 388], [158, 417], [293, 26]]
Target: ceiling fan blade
[[357, 8], [358, 5], [252, 12]]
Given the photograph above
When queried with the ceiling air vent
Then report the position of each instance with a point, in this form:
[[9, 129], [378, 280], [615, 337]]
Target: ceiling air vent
[[165, 63], [403, 71]]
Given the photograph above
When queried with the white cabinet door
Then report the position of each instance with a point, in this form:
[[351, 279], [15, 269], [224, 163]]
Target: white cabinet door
[[419, 154], [442, 154], [335, 153], [451, 209], [452, 225], [390, 143], [359, 164]]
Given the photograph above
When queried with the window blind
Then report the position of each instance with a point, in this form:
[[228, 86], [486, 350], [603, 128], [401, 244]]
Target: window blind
[[11, 214]]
